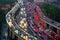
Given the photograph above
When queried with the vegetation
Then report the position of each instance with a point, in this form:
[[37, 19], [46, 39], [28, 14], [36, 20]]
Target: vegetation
[[3, 12], [30, 0], [6, 1], [51, 12]]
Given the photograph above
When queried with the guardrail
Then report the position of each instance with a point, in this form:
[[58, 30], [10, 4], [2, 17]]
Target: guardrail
[[9, 18], [42, 17]]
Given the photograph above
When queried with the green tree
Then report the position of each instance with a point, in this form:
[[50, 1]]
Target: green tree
[[30, 0], [6, 1], [51, 12]]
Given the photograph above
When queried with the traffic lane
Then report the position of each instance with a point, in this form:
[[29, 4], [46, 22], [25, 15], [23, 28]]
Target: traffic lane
[[47, 19], [21, 29]]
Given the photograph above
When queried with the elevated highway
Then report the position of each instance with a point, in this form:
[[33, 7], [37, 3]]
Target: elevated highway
[[36, 20]]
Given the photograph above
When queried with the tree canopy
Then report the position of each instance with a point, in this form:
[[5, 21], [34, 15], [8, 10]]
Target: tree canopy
[[6, 1], [51, 12]]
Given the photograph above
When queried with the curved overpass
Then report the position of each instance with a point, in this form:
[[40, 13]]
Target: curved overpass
[[46, 19], [32, 22], [34, 16], [11, 22]]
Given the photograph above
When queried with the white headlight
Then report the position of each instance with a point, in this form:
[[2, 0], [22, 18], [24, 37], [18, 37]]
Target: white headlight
[[22, 9], [21, 12], [16, 31], [6, 34]]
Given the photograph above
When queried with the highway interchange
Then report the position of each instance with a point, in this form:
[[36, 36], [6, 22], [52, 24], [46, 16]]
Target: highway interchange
[[30, 20]]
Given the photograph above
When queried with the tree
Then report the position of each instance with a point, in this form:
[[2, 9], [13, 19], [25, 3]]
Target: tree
[[30, 0], [52, 13], [6, 1]]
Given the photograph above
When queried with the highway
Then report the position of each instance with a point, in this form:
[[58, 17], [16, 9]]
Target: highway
[[31, 21], [42, 27], [11, 22], [47, 20], [34, 22]]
